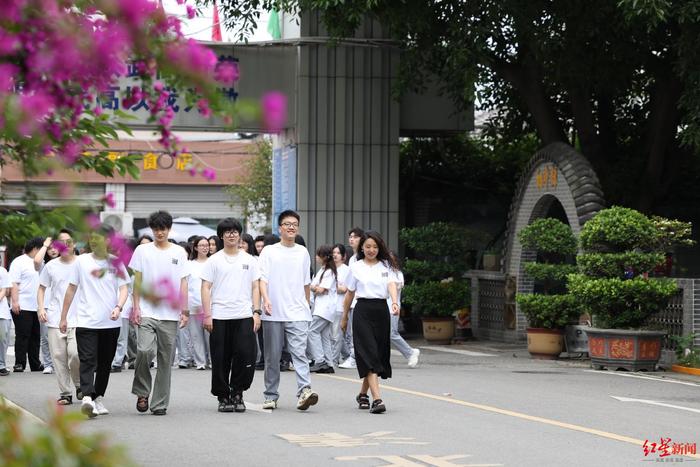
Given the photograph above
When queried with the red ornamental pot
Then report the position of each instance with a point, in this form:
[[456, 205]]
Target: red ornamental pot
[[624, 349]]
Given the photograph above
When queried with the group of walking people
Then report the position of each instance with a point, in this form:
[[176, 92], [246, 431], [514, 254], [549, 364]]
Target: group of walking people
[[240, 310]]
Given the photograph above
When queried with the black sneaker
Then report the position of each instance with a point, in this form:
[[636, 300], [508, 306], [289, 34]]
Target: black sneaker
[[326, 369], [78, 394], [18, 368], [237, 402], [4, 372], [377, 406], [222, 404], [116, 369]]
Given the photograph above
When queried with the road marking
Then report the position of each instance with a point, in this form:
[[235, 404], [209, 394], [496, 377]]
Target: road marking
[[457, 351], [661, 404], [257, 408], [433, 461], [510, 413], [658, 379]]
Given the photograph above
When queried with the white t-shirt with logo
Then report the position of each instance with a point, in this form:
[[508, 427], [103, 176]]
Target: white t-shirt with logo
[[232, 278], [23, 273], [325, 304], [285, 270], [371, 281], [161, 272], [98, 290], [343, 271], [5, 283], [194, 285], [54, 276]]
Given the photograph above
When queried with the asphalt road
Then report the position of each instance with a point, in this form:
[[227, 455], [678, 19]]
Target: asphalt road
[[485, 404]]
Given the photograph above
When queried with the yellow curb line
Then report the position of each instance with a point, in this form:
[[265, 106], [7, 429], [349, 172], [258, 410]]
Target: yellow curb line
[[26, 412], [510, 413]]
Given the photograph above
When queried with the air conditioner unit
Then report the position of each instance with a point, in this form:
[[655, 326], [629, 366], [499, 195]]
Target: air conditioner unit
[[122, 222]]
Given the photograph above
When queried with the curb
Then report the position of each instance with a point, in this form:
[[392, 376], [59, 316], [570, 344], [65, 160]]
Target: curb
[[686, 370]]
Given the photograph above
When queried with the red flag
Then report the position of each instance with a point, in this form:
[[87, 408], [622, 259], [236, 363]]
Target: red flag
[[216, 29]]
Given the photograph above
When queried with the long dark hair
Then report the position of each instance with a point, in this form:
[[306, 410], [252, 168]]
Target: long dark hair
[[325, 252], [384, 255], [248, 239], [195, 240]]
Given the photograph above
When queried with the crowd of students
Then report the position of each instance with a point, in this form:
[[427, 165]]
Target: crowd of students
[[231, 302]]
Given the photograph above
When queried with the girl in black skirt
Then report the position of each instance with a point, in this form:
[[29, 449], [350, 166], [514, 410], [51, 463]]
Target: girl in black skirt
[[372, 278]]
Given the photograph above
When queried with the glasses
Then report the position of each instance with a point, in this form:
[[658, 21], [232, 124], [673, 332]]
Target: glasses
[[231, 233], [290, 225]]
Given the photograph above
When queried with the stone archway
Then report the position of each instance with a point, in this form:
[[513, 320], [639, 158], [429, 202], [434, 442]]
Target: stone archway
[[555, 174]]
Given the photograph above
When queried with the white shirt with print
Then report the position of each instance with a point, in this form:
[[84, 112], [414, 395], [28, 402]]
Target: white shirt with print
[[324, 304], [343, 271], [54, 276], [161, 273], [232, 278], [285, 270], [371, 281], [5, 283], [98, 282], [22, 272], [194, 285]]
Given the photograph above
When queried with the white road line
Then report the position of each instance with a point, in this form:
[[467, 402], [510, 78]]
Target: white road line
[[649, 378], [457, 351], [257, 408], [660, 404]]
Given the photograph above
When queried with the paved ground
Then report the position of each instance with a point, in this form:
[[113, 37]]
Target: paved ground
[[474, 404]]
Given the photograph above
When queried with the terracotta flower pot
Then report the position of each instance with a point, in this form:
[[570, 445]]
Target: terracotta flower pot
[[545, 344], [438, 330]]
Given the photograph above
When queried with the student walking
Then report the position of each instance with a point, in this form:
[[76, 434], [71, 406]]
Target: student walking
[[53, 282], [372, 280], [284, 286], [5, 319], [25, 284], [46, 253], [199, 337], [354, 236], [324, 287], [100, 288], [160, 268], [343, 270], [230, 287], [408, 352]]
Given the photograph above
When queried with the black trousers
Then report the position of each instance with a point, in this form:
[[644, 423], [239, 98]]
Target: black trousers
[[96, 349], [27, 339], [233, 352]]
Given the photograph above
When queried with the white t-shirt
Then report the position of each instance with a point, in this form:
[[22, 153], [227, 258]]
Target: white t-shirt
[[353, 260], [286, 272], [399, 287], [232, 280], [97, 296], [371, 281], [325, 304], [5, 283], [54, 276], [343, 271], [160, 270], [194, 285], [22, 272]]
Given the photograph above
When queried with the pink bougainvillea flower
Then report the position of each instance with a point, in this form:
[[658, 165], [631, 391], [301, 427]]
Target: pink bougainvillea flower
[[274, 111], [191, 12], [93, 221], [7, 76], [166, 291], [193, 171], [99, 273], [120, 248], [227, 73], [61, 247], [108, 199], [209, 174]]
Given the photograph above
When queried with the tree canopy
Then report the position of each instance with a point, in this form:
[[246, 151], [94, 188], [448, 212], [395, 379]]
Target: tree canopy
[[619, 80]]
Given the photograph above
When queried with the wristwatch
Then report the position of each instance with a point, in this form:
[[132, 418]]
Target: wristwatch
[[258, 312]]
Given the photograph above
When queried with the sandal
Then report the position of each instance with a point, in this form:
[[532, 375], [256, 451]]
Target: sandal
[[142, 403], [362, 401], [377, 406], [64, 400]]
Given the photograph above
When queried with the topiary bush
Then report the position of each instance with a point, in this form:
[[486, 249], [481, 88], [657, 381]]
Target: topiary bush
[[621, 249], [555, 244]]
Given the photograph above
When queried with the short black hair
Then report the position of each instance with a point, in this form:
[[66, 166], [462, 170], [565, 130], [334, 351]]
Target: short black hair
[[65, 231], [227, 225], [32, 243], [299, 240], [142, 238], [259, 238], [160, 220], [271, 239], [356, 231], [287, 213]]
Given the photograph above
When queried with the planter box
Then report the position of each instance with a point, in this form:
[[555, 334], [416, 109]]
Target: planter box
[[545, 344], [629, 350], [439, 330]]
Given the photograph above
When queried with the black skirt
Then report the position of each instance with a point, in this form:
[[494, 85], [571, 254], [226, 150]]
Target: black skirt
[[371, 330]]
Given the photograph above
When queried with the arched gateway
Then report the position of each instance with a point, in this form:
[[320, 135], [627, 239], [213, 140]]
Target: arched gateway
[[558, 182]]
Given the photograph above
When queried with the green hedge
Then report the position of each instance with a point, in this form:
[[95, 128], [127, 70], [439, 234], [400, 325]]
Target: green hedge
[[548, 311], [436, 298], [615, 264], [618, 229], [548, 236], [549, 272]]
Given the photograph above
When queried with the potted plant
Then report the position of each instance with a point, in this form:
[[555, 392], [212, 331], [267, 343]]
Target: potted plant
[[549, 308], [435, 288], [621, 248], [491, 260], [687, 355]]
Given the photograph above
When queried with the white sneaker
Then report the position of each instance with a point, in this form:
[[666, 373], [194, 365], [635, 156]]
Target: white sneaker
[[100, 407], [307, 399], [413, 359], [348, 364], [48, 370], [88, 407], [202, 367], [269, 404]]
